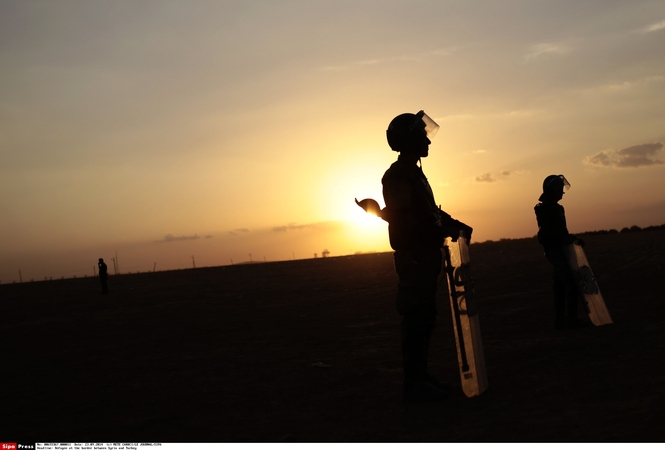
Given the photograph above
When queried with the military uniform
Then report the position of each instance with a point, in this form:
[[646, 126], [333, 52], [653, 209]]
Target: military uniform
[[416, 231]]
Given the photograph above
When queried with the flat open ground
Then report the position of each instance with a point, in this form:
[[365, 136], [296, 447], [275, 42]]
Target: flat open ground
[[226, 354]]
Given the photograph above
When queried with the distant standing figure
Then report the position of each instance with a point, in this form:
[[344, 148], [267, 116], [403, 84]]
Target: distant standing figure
[[553, 235], [103, 275]]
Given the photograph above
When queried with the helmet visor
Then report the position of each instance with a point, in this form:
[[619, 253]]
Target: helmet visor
[[426, 124], [566, 184]]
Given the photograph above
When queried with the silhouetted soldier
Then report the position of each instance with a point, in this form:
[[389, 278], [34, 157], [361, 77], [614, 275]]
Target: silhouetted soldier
[[103, 275], [553, 235], [417, 229]]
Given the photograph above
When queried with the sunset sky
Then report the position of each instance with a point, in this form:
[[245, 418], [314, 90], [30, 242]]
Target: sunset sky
[[166, 130]]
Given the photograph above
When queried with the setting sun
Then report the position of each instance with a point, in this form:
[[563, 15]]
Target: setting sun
[[366, 220]]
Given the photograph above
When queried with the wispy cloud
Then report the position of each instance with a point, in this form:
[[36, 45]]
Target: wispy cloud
[[376, 61], [623, 87], [539, 50], [456, 117], [291, 226], [502, 115], [367, 62], [640, 155], [641, 82], [653, 27], [238, 231], [602, 158], [318, 226]]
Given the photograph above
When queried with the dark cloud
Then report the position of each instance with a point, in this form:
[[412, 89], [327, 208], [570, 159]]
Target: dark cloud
[[640, 155], [172, 238], [486, 178], [489, 178]]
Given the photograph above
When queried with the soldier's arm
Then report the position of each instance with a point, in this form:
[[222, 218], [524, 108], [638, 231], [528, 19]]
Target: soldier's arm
[[399, 204], [452, 227]]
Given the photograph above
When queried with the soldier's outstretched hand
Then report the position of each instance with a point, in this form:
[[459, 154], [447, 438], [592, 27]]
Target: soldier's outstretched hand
[[370, 206]]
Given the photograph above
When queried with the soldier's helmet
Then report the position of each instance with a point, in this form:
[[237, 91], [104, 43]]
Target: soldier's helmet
[[406, 128], [554, 183]]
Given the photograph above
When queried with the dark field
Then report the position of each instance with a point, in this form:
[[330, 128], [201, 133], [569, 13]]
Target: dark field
[[226, 354]]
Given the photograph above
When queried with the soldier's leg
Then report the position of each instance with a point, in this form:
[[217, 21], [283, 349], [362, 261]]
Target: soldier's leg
[[416, 303], [559, 300], [417, 327], [572, 297], [415, 343], [561, 276], [567, 297], [429, 318]]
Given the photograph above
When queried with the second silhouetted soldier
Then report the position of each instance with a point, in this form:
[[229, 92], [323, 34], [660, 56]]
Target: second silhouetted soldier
[[553, 235]]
